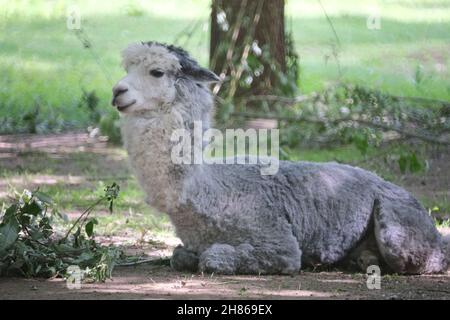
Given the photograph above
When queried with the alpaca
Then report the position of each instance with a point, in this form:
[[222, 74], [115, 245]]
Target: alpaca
[[233, 220]]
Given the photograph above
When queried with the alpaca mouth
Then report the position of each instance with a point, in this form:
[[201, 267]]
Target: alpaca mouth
[[121, 108]]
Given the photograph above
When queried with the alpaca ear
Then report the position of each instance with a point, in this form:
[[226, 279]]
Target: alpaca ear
[[200, 74]]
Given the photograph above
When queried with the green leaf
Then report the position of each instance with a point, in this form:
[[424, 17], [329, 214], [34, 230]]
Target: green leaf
[[9, 232], [10, 211], [43, 197], [89, 228], [35, 233], [32, 208], [25, 219], [415, 165], [84, 258]]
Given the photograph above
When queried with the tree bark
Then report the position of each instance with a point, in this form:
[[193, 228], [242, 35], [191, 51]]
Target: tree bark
[[236, 25]]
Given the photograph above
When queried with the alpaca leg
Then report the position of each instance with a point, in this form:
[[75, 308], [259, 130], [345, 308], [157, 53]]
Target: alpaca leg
[[246, 259], [407, 238], [365, 254], [184, 259]]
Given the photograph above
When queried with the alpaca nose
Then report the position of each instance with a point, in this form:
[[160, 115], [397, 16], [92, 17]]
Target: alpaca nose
[[117, 91]]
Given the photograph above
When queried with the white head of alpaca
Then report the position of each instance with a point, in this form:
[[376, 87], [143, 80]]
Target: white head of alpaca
[[154, 72]]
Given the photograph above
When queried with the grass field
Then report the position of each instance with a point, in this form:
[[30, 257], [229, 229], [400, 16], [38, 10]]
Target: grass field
[[44, 64]]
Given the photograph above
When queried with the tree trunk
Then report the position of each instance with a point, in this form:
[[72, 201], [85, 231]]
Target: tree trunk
[[247, 46]]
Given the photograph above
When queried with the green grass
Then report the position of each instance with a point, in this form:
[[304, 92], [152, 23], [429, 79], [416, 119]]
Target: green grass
[[76, 180], [43, 63]]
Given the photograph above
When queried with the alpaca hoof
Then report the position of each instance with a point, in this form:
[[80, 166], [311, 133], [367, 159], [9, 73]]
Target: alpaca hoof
[[184, 260], [219, 258], [366, 259]]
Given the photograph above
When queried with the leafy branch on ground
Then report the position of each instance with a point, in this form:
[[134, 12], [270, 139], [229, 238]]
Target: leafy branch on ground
[[30, 246], [351, 114]]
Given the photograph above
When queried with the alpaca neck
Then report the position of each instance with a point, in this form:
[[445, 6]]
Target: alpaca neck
[[147, 140]]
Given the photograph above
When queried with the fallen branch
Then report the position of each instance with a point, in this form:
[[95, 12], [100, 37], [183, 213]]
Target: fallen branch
[[155, 262], [433, 140], [285, 100]]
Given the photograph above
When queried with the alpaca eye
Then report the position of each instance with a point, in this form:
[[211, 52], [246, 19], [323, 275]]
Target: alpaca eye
[[156, 73]]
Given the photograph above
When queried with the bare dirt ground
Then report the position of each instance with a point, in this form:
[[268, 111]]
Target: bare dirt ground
[[144, 282], [160, 282]]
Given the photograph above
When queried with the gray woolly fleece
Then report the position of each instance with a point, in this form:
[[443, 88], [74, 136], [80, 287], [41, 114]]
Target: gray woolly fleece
[[231, 219]]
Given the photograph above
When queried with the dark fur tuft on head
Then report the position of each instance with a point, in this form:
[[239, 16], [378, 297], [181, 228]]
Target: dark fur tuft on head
[[189, 67]]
